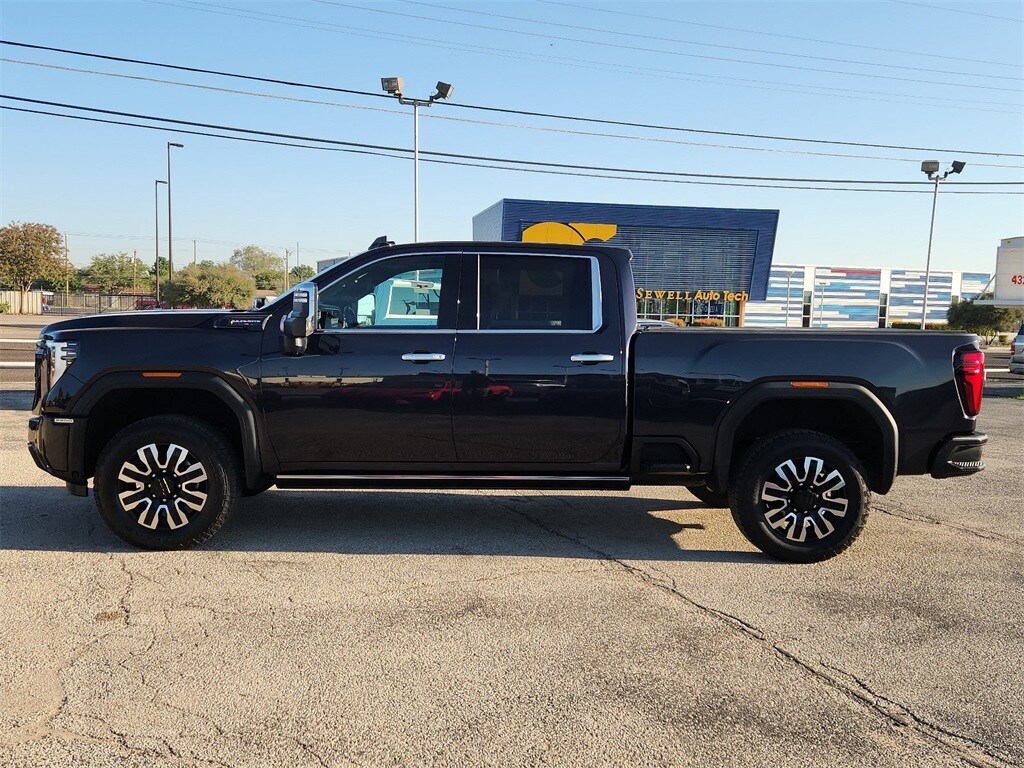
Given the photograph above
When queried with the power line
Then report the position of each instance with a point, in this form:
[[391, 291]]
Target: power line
[[646, 50], [519, 126], [521, 112], [623, 33], [861, 46], [576, 62], [958, 10], [452, 157], [305, 248]]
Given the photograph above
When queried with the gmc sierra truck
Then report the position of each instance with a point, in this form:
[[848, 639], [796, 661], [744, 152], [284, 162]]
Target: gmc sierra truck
[[495, 366]]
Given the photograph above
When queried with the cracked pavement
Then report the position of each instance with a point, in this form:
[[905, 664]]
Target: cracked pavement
[[513, 628]]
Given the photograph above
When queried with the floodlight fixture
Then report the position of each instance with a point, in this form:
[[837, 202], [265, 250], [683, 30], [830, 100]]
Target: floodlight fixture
[[930, 167], [392, 85], [444, 91], [958, 166]]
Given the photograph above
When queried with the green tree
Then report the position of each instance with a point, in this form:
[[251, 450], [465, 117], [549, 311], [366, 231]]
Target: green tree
[[301, 272], [210, 285], [269, 281], [29, 252], [114, 272], [985, 320], [252, 260]]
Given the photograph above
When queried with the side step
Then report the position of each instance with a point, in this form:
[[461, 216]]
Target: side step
[[470, 482]]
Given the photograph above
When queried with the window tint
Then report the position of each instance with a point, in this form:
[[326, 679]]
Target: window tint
[[535, 293], [394, 293]]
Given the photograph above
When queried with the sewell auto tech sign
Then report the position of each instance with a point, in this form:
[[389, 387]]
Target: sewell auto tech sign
[[644, 293]]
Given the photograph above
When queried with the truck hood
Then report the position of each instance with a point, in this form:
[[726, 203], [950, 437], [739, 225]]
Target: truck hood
[[146, 318]]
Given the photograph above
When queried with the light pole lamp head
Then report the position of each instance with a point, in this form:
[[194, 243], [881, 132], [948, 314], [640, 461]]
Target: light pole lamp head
[[175, 144], [392, 85], [443, 91], [958, 166], [930, 167]]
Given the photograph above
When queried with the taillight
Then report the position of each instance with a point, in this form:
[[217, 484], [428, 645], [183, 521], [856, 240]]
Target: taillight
[[970, 377]]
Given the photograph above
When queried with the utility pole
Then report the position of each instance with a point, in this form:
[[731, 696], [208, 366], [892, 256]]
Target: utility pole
[[286, 254], [67, 272], [193, 253], [135, 271]]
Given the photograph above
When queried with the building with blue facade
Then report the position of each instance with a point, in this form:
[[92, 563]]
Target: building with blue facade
[[687, 262]]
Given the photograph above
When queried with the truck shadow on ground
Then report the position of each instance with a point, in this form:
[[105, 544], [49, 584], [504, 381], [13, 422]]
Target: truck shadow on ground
[[619, 526]]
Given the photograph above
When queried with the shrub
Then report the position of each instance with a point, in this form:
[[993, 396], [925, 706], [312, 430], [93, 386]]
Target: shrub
[[5, 308], [908, 325], [708, 322]]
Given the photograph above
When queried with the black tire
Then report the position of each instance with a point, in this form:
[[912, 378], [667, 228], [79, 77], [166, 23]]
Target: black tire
[[800, 496], [167, 482], [714, 499]]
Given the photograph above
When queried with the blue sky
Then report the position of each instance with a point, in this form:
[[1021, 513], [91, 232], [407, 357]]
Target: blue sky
[[929, 74]]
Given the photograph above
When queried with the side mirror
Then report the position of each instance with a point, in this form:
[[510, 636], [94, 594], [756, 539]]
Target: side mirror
[[298, 325]]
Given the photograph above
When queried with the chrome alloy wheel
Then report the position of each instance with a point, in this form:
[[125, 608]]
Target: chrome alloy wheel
[[163, 480], [800, 500]]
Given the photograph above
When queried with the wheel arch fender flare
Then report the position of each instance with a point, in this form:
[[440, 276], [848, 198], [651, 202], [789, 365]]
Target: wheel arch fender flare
[[243, 410], [872, 406]]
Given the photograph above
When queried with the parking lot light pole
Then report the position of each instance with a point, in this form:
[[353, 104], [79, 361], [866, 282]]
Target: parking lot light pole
[[393, 86], [931, 168], [170, 247], [156, 234]]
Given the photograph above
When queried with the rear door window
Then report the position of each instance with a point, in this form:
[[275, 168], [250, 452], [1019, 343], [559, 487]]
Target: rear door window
[[538, 293]]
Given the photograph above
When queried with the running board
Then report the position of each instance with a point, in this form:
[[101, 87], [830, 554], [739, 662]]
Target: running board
[[483, 482]]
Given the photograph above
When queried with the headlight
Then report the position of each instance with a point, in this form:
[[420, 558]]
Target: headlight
[[60, 356]]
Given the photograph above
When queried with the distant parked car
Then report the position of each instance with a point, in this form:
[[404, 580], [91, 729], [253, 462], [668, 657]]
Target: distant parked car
[[1017, 352]]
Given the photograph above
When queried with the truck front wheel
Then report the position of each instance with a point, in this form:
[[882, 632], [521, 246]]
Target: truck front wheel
[[800, 496], [167, 482]]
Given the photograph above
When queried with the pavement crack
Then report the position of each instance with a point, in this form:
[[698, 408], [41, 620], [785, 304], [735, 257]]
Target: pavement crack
[[913, 518], [308, 750], [908, 713], [126, 596], [971, 751]]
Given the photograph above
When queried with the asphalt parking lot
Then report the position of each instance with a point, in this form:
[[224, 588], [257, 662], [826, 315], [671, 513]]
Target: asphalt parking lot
[[513, 628]]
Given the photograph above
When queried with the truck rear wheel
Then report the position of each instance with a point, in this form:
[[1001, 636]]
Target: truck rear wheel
[[800, 496], [167, 482]]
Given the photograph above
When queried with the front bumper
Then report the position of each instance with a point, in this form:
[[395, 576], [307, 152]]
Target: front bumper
[[959, 455], [55, 448]]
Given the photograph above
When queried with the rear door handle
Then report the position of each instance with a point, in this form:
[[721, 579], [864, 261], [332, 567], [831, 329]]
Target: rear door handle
[[589, 358], [423, 357]]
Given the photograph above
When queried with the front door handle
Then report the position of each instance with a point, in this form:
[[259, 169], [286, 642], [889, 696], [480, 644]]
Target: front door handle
[[423, 357], [589, 358]]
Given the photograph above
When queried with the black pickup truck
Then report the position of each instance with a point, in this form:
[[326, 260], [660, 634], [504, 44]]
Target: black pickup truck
[[494, 365]]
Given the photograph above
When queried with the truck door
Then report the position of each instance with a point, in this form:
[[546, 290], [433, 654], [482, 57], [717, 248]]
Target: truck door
[[374, 386], [540, 373]]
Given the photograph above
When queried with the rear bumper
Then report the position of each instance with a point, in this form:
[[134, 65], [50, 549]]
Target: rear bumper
[[959, 456]]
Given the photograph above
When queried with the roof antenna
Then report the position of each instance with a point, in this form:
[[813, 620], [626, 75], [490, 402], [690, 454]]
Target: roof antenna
[[381, 242]]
